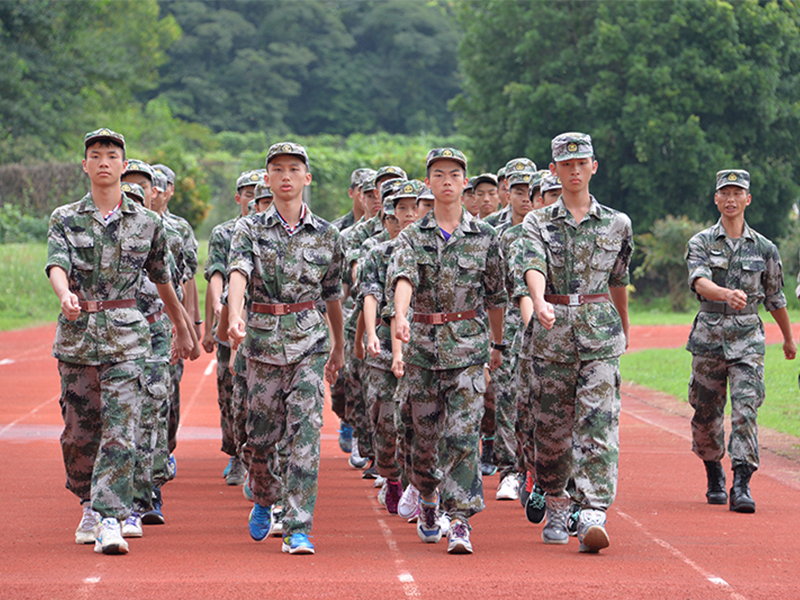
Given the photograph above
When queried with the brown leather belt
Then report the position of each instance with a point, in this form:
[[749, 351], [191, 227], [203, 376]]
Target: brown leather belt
[[575, 299], [281, 309], [93, 306], [441, 318], [724, 309], [155, 316]]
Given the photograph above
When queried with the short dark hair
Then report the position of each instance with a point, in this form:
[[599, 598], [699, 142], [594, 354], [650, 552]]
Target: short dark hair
[[106, 143], [428, 170]]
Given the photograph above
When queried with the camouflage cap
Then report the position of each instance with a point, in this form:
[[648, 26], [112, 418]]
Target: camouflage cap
[[139, 166], [103, 134], [159, 181], [484, 178], [358, 176], [166, 171], [501, 174], [517, 165], [251, 206], [390, 187], [470, 187], [391, 172], [446, 154], [568, 146], [737, 177], [425, 193], [368, 185], [521, 178], [550, 182], [388, 207], [262, 191], [249, 178], [287, 148], [409, 189], [134, 190]]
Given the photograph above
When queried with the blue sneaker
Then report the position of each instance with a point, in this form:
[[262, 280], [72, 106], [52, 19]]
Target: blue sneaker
[[154, 516], [227, 468], [346, 438], [260, 522], [297, 543], [246, 491], [172, 467]]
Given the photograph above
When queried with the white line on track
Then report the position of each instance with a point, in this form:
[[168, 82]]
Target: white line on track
[[7, 361], [185, 413], [711, 578], [405, 578], [210, 367], [86, 590], [25, 416]]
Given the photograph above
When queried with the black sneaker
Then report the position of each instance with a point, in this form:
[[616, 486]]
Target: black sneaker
[[488, 468], [371, 472], [535, 506], [154, 516], [572, 520]]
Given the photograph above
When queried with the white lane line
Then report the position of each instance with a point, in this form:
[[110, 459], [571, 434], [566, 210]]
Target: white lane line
[[7, 361], [710, 577], [31, 413], [185, 412], [210, 368], [87, 589], [405, 578]]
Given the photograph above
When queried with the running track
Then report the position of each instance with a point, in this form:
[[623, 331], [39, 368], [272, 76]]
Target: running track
[[666, 542]]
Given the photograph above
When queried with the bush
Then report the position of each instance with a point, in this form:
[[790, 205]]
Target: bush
[[664, 262], [789, 247], [16, 227]]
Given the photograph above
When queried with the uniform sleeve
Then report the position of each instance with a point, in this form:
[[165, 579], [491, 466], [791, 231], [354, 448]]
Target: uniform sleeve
[[217, 257], [157, 263], [620, 272], [515, 262], [772, 280], [534, 255], [494, 278], [402, 266], [241, 253], [57, 246], [697, 260], [332, 281], [190, 251], [370, 277]]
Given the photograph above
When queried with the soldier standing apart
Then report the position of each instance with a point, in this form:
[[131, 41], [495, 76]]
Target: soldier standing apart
[[96, 250], [577, 254], [290, 261], [450, 264], [732, 269]]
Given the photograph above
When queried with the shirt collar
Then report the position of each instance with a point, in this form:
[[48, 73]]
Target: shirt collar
[[559, 211], [719, 231]]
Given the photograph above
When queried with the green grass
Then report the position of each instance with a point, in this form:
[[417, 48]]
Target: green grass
[[668, 371], [26, 298]]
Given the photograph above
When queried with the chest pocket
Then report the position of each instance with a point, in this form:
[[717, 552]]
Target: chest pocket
[[427, 268], [81, 248], [265, 260], [556, 247], [717, 260], [315, 265], [605, 254], [133, 254], [752, 270], [470, 270]]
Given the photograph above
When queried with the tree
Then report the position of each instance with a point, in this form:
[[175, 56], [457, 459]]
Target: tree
[[671, 92]]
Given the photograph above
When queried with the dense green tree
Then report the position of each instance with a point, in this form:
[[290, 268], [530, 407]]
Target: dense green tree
[[671, 92]]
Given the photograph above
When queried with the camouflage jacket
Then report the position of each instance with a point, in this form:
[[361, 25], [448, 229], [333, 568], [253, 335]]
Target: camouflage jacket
[[498, 217], [345, 221], [373, 283], [579, 258], [104, 261], [358, 235], [513, 317], [754, 267], [188, 262], [284, 269], [463, 273], [219, 245]]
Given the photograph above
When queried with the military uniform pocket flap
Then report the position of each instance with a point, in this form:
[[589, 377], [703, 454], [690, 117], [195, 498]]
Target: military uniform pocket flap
[[717, 260], [80, 239], [317, 257], [754, 265]]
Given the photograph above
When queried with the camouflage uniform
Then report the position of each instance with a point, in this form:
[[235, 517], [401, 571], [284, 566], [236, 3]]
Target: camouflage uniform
[[729, 348], [576, 363], [286, 354], [102, 354], [444, 363]]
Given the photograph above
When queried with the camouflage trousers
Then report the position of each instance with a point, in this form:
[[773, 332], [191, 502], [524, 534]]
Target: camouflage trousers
[[100, 407], [285, 403], [384, 413], [527, 390], [708, 394], [338, 402], [505, 437], [405, 430], [574, 423], [445, 410], [176, 374], [488, 423], [356, 413], [161, 342], [225, 400], [155, 401], [239, 402]]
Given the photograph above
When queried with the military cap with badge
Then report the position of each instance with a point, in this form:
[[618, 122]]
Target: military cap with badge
[[103, 134], [446, 154], [737, 177], [287, 148], [169, 173], [139, 166], [134, 191], [252, 177], [572, 145], [519, 165]]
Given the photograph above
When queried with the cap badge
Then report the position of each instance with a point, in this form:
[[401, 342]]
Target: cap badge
[[572, 147], [732, 177], [447, 153]]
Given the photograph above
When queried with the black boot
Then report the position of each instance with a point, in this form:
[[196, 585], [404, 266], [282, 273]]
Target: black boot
[[716, 493], [487, 457], [741, 501]]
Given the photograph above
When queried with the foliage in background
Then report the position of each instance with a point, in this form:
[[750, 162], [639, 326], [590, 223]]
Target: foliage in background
[[663, 248], [18, 227], [789, 247], [671, 92]]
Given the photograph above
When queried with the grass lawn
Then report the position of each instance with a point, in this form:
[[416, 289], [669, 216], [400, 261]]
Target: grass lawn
[[668, 371]]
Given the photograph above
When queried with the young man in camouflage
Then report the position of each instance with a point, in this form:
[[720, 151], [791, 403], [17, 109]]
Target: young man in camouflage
[[732, 269], [357, 211], [290, 262], [216, 273], [450, 264], [577, 254], [97, 248]]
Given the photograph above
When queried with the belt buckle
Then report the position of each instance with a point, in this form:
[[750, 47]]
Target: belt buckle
[[574, 299], [92, 306], [437, 319], [281, 309]]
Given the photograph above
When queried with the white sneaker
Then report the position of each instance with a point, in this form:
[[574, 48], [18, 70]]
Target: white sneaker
[[379, 482], [508, 488], [277, 524], [356, 460], [408, 507], [458, 538], [592, 532], [444, 523], [87, 530], [382, 494], [109, 538], [132, 527]]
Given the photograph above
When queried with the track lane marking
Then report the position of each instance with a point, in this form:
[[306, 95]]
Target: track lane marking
[[28, 414], [711, 578], [198, 388]]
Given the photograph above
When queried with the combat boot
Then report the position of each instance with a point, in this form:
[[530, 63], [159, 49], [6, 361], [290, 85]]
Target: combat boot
[[716, 493], [741, 500]]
